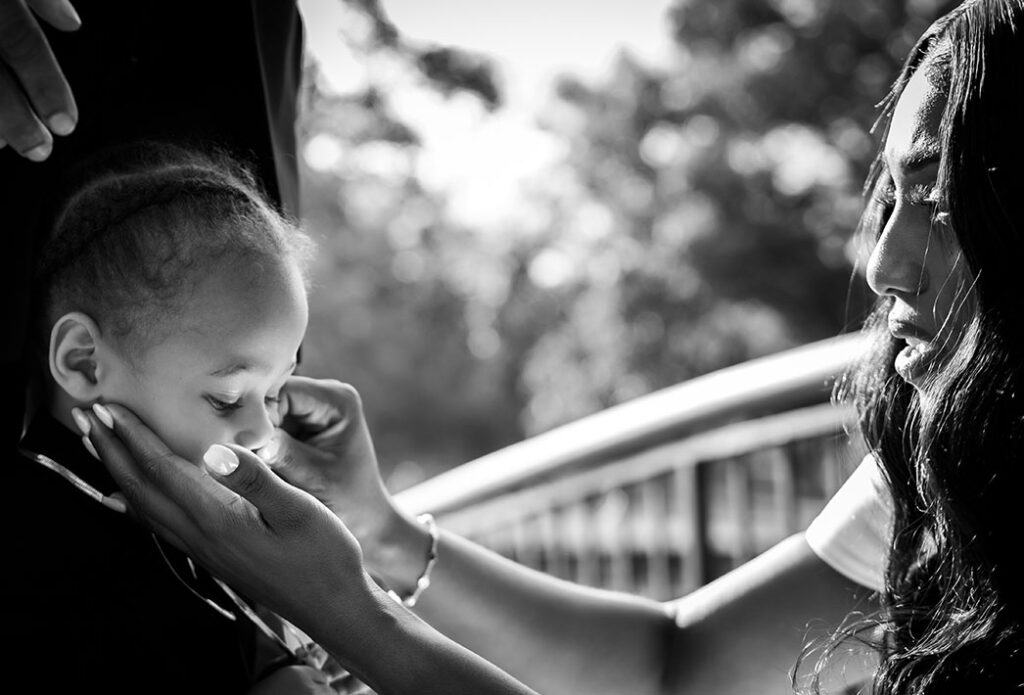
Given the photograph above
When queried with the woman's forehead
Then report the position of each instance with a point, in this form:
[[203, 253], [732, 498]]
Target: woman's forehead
[[913, 140]]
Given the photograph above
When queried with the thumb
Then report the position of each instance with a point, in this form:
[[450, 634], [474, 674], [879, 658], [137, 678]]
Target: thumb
[[243, 472]]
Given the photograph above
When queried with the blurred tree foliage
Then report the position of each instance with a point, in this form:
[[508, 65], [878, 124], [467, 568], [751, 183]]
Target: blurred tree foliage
[[701, 215]]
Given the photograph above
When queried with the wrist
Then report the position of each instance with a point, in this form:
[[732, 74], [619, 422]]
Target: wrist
[[410, 599], [399, 553]]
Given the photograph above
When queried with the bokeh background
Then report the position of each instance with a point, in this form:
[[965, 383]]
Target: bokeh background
[[530, 211]]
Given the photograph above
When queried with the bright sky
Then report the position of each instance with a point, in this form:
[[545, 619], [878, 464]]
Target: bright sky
[[534, 39], [482, 160]]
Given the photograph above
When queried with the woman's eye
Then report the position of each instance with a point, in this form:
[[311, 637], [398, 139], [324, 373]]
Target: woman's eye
[[885, 203], [223, 406], [923, 196], [928, 197]]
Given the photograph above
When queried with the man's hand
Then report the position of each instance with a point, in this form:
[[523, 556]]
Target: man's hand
[[35, 98]]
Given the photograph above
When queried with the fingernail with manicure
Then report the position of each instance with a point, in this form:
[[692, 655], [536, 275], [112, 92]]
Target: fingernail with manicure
[[90, 448], [220, 459], [115, 503], [69, 11], [103, 414], [268, 452], [61, 124], [81, 421]]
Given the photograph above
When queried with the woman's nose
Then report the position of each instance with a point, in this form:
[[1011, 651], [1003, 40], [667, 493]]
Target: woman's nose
[[256, 429], [897, 263]]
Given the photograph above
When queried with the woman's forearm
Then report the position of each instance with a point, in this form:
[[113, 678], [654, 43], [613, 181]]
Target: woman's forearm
[[395, 652], [746, 630], [559, 638]]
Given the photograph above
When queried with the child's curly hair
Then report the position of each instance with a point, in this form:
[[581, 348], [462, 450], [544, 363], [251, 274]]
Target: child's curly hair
[[135, 228]]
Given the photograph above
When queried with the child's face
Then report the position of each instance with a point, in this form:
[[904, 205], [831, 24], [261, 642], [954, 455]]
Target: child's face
[[216, 377]]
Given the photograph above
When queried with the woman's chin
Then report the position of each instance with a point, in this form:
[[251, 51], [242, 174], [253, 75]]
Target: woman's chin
[[913, 362]]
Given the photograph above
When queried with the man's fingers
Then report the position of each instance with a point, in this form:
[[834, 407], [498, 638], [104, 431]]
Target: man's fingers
[[33, 80], [19, 125]]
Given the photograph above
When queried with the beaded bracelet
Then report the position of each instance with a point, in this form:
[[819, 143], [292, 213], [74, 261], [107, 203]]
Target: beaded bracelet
[[424, 579]]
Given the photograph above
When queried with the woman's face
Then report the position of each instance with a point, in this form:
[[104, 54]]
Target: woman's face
[[916, 260], [216, 377]]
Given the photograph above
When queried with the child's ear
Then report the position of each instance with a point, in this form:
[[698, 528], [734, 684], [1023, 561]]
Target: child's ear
[[75, 361]]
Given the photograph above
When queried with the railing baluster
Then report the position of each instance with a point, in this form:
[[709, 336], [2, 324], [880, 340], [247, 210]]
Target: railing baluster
[[654, 529], [738, 539], [659, 509], [694, 531], [589, 571], [783, 490]]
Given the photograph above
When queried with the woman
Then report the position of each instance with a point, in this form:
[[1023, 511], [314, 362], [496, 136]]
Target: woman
[[940, 399]]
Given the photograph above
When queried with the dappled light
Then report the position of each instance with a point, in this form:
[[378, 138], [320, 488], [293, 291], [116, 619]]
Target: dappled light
[[499, 259]]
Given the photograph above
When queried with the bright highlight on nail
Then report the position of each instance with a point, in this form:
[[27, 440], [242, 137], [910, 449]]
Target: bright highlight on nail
[[81, 421], [268, 452], [90, 448], [103, 414], [68, 10], [220, 459]]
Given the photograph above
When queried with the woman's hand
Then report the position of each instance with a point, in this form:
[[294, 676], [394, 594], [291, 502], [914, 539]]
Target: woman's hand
[[286, 550], [324, 447], [268, 539]]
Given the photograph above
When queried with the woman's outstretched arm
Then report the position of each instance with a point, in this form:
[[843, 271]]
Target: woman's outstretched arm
[[554, 636], [558, 637], [742, 633]]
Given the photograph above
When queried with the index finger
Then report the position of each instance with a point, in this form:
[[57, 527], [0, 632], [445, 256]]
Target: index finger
[[317, 403]]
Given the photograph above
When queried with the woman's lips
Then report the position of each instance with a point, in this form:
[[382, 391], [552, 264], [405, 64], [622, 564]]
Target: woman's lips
[[911, 362]]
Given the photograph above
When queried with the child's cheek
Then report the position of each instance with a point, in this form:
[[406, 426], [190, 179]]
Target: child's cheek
[[189, 432]]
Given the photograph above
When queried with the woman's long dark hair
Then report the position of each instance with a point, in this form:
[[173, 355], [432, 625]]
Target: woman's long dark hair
[[952, 613]]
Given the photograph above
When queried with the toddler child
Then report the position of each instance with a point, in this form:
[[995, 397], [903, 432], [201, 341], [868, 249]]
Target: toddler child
[[170, 285]]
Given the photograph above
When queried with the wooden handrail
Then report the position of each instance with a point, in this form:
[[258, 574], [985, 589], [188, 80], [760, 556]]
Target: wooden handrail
[[787, 379]]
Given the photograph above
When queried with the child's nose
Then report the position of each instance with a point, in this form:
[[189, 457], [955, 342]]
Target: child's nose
[[256, 430]]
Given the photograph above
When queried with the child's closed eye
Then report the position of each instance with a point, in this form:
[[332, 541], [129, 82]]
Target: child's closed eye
[[221, 405], [226, 406]]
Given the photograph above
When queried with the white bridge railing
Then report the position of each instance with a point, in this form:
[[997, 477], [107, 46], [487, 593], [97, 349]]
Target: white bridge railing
[[660, 495]]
